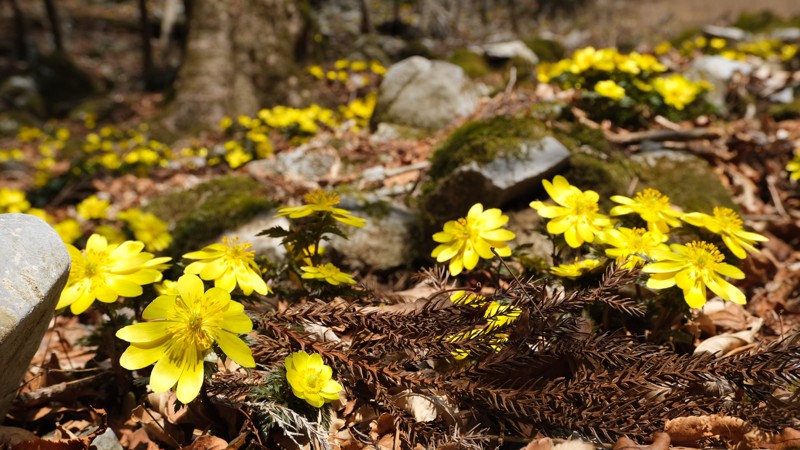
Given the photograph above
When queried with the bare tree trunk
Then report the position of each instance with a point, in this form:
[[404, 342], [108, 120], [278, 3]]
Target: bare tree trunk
[[512, 13], [366, 18], [55, 25], [483, 10], [239, 57], [147, 50], [21, 32]]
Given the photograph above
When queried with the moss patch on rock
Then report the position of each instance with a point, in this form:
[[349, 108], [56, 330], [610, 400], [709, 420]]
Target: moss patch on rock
[[482, 141], [606, 175], [546, 49], [201, 214], [474, 65]]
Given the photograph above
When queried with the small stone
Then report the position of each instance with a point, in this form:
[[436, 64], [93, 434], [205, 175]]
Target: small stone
[[34, 271], [106, 441], [728, 33], [510, 50], [264, 246], [718, 71], [305, 165]]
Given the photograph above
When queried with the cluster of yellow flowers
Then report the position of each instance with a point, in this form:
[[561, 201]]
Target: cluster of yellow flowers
[[128, 150], [344, 70], [692, 267], [576, 215], [185, 322], [768, 49], [612, 84]]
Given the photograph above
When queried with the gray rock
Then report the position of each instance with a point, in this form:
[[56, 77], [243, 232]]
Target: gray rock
[[306, 165], [264, 246], [510, 176], [728, 33], [508, 50], [718, 71], [22, 94], [424, 94], [34, 271], [786, 34], [385, 242], [106, 441], [524, 224]]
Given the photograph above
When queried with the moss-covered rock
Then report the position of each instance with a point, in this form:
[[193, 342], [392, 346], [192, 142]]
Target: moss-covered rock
[[482, 141], [201, 214], [785, 111], [474, 64], [546, 49], [689, 181]]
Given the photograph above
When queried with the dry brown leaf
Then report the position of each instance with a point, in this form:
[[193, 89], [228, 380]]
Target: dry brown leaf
[[540, 444], [789, 439], [207, 442], [13, 435], [661, 441], [723, 344], [691, 429]]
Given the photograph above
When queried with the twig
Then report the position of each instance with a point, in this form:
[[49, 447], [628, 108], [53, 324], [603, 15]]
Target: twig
[[776, 199], [65, 390], [664, 135]]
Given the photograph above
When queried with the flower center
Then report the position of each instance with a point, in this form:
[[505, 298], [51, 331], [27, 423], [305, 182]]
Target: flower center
[[728, 219], [465, 230], [703, 256], [191, 325], [581, 204], [651, 199], [95, 263], [237, 252], [321, 198], [314, 379]]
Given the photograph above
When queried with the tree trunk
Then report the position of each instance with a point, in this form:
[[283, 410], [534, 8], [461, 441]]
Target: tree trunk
[[239, 58]]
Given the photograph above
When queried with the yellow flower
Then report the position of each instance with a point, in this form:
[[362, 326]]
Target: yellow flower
[[148, 228], [609, 89], [377, 68], [112, 234], [726, 223], [466, 298], [793, 167], [69, 230], [106, 272], [466, 240], [310, 379], [183, 329], [576, 215], [677, 91], [13, 201], [693, 267], [663, 48], [577, 268], [632, 245], [328, 273], [319, 201], [93, 208], [652, 206], [228, 263], [718, 43], [316, 72]]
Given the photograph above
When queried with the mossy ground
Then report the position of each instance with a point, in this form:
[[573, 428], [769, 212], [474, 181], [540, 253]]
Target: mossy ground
[[201, 214]]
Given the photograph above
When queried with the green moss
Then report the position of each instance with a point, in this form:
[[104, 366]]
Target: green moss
[[481, 141], [606, 175], [697, 188], [474, 65], [757, 21], [574, 135], [201, 214], [546, 49], [785, 111]]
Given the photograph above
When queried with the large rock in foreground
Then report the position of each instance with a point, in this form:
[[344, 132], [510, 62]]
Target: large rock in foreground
[[34, 271], [424, 94]]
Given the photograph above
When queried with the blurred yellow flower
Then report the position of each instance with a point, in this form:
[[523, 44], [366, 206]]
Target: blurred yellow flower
[[321, 202], [328, 273], [793, 167], [69, 230], [228, 263], [106, 272], [311, 379], [576, 214], [93, 208], [148, 228], [677, 91], [13, 201], [609, 89], [693, 267], [577, 268], [726, 223], [464, 241], [183, 328], [652, 206]]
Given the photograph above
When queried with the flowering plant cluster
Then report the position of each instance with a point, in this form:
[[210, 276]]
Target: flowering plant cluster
[[637, 233], [196, 314], [766, 49], [627, 89]]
